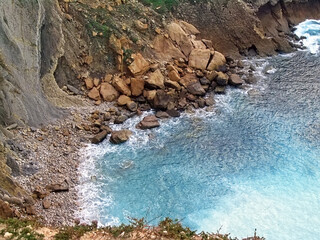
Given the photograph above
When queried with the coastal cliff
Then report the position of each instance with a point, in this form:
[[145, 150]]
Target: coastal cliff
[[48, 48]]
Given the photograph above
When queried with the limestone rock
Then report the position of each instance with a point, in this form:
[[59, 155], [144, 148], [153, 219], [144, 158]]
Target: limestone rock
[[217, 61], [121, 136], [235, 80], [123, 100], [139, 65], [199, 58], [148, 122], [155, 80], [161, 100], [137, 86], [222, 79], [178, 35], [108, 92], [121, 86], [99, 137], [165, 49], [94, 94]]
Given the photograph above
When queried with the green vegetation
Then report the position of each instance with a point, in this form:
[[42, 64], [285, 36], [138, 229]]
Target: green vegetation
[[74, 232], [20, 229]]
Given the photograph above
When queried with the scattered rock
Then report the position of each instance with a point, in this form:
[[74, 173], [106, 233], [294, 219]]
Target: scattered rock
[[235, 80], [73, 90], [174, 75], [140, 26], [58, 187], [161, 100], [139, 65], [46, 203], [99, 137], [161, 115], [165, 49], [148, 122], [178, 35], [173, 113], [132, 106], [121, 136], [121, 86], [220, 89], [123, 100], [5, 210], [155, 80], [120, 119], [137, 86], [108, 92], [222, 79], [94, 94], [30, 210], [189, 28], [209, 101], [172, 84], [40, 193], [89, 83], [196, 88]]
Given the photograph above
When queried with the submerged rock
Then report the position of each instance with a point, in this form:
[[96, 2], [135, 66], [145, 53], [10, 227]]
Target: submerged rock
[[99, 137]]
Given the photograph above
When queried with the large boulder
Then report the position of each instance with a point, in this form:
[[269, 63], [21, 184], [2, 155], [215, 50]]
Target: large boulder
[[199, 58], [195, 88], [148, 122], [137, 86], [217, 61], [178, 35], [187, 79], [188, 28], [139, 65], [121, 86], [161, 100], [121, 136], [172, 84], [155, 80], [108, 92], [165, 49]]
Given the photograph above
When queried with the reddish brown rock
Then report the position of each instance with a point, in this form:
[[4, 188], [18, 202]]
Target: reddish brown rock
[[172, 84], [155, 80], [94, 94], [188, 28], [132, 106], [174, 75], [58, 187], [165, 49], [150, 95], [195, 88], [148, 122], [89, 83], [108, 92], [139, 65], [178, 35], [5, 210], [123, 100], [121, 86], [137, 86]]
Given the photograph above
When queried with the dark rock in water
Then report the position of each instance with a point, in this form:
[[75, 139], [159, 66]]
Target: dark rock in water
[[182, 103], [250, 79], [58, 187], [145, 107], [161, 114], [99, 137], [220, 89], [121, 136], [161, 100], [12, 163], [107, 128], [173, 113], [148, 122], [235, 80], [140, 99], [120, 119], [223, 68], [196, 88]]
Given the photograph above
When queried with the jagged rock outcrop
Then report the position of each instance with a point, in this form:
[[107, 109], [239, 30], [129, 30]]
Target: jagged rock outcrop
[[247, 26]]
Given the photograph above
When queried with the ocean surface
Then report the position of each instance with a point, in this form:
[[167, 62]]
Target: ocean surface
[[251, 163]]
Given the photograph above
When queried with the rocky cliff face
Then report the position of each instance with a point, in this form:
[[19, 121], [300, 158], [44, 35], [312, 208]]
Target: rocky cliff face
[[240, 26]]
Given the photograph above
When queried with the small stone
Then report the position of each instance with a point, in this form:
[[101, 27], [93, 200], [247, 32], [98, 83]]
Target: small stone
[[161, 115], [120, 119], [89, 83], [94, 94], [132, 106], [46, 203], [121, 136], [173, 113]]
